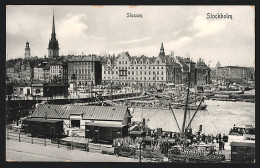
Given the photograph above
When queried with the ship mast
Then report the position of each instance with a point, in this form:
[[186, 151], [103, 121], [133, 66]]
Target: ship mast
[[186, 105]]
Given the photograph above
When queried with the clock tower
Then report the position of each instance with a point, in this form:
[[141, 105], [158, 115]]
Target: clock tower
[[27, 53]]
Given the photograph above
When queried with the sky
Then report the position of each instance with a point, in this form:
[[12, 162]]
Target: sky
[[107, 29]]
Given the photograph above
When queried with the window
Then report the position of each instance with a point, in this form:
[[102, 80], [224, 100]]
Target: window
[[157, 67], [153, 72], [145, 72], [162, 67], [108, 72], [141, 62], [141, 68], [158, 62], [119, 62], [75, 123], [153, 67], [162, 78], [149, 67], [141, 78], [162, 72], [136, 67], [157, 72], [157, 78], [128, 72], [126, 62], [132, 72], [141, 73], [116, 72], [149, 73]]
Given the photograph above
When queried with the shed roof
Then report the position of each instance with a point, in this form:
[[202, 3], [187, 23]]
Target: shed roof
[[41, 120], [109, 113], [105, 125]]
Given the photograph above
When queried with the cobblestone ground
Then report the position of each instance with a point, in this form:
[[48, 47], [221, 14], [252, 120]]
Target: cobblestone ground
[[23, 151]]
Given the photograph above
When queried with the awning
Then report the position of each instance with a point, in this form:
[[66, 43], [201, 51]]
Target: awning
[[105, 125]]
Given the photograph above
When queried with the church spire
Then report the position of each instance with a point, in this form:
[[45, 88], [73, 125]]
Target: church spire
[[53, 49], [53, 34], [162, 53]]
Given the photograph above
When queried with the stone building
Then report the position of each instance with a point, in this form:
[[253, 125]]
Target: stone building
[[184, 70], [58, 72], [25, 71], [233, 72], [46, 72], [84, 70], [38, 71], [202, 73], [141, 71]]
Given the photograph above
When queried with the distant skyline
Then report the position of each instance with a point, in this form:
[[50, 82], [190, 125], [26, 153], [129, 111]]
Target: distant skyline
[[107, 29]]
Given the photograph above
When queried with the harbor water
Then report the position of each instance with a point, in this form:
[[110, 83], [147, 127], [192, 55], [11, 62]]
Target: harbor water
[[218, 117]]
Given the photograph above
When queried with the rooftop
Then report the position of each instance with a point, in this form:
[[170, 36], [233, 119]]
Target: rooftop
[[109, 113]]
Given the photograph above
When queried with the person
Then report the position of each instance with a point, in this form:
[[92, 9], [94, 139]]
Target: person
[[219, 137], [219, 145]]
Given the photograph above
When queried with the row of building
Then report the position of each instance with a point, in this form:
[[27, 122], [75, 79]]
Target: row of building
[[123, 70]]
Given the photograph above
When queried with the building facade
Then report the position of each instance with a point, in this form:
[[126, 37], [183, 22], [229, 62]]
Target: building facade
[[58, 72], [84, 70], [202, 73], [38, 71], [141, 71], [233, 72]]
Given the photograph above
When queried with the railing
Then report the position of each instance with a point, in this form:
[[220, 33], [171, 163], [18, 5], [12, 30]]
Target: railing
[[56, 142]]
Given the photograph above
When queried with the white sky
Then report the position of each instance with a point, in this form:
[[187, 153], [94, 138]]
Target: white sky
[[96, 29]]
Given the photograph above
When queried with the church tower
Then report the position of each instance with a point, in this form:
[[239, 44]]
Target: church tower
[[53, 49], [27, 53], [218, 64], [162, 53]]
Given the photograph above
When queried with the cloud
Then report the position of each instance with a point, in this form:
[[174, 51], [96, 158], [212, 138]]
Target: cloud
[[206, 27], [135, 40], [176, 33], [181, 42], [97, 38], [12, 27], [73, 26]]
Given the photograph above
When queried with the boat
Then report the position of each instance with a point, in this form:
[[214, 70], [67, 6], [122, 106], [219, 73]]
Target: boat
[[244, 133], [194, 107]]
